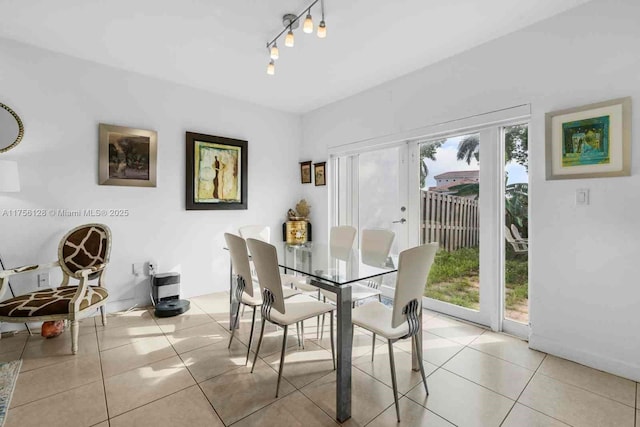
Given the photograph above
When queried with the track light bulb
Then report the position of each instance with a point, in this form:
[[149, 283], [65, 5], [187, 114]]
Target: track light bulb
[[308, 24], [271, 68], [288, 41], [275, 53], [322, 30]]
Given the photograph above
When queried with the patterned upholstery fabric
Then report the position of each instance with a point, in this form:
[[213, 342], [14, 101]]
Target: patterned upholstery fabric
[[84, 247], [50, 301]]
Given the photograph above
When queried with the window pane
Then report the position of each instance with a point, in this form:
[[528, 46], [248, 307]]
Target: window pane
[[450, 191], [517, 223]]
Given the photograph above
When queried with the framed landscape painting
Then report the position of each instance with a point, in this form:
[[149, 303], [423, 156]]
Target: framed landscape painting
[[593, 141], [319, 170], [216, 172], [305, 172], [127, 156]]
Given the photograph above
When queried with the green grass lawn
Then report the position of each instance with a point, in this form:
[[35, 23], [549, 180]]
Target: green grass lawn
[[454, 278]]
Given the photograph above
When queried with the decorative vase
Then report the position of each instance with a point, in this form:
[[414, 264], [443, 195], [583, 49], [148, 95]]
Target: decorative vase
[[296, 232]]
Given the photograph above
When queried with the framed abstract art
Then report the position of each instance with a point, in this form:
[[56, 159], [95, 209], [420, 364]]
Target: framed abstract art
[[216, 172], [127, 156], [593, 141]]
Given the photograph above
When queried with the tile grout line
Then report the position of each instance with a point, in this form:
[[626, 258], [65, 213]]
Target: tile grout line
[[185, 366], [104, 386], [523, 389]]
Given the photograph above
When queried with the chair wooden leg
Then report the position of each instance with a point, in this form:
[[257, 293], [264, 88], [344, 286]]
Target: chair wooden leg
[[75, 325], [235, 325], [373, 346], [333, 349], [284, 347], [393, 379], [253, 323], [103, 313], [255, 358], [421, 364]]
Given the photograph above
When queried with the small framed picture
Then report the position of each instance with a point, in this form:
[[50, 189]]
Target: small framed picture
[[127, 156], [305, 172], [593, 141], [320, 173], [216, 172]]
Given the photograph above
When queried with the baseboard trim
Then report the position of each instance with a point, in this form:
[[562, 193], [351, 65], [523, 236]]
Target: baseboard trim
[[592, 360]]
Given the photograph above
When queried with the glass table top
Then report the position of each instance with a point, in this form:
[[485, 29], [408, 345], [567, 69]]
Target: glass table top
[[333, 265]]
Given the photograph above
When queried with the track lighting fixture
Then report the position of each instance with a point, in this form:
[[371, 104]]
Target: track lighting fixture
[[307, 27], [275, 53], [291, 22]]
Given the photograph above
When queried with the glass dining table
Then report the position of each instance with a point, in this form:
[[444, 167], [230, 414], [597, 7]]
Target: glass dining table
[[333, 270]]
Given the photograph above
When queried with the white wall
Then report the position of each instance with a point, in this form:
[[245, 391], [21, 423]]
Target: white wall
[[61, 101], [585, 291]]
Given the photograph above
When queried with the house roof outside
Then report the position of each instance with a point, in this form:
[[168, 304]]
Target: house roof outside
[[446, 188], [472, 174]]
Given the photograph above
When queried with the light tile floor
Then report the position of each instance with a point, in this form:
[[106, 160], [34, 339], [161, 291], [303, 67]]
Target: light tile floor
[[142, 371]]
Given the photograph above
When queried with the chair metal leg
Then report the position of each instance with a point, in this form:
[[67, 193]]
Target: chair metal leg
[[284, 347], [253, 323], [302, 333], [380, 297], [333, 349], [235, 325], [324, 299], [255, 358], [243, 307], [75, 326], [393, 379], [373, 346], [103, 314], [421, 364], [298, 333]]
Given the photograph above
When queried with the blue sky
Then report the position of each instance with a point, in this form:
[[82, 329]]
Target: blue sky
[[447, 161]]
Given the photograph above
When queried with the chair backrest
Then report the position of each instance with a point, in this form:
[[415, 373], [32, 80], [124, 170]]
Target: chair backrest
[[84, 247], [516, 233], [240, 260], [341, 241], [265, 259], [413, 269], [376, 245], [260, 232]]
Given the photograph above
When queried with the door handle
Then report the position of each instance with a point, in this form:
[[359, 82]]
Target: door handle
[[400, 221]]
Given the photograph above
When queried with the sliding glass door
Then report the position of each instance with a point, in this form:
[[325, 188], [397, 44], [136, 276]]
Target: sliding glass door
[[466, 190]]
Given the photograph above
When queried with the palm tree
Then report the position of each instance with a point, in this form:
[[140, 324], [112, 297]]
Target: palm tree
[[516, 139], [428, 151]]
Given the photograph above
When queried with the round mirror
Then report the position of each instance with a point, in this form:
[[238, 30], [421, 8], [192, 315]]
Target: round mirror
[[11, 129]]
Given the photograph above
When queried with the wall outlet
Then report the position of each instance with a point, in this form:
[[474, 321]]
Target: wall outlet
[[582, 196], [43, 280], [138, 268]]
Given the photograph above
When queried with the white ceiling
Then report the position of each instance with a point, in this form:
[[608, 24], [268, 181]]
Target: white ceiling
[[219, 45]]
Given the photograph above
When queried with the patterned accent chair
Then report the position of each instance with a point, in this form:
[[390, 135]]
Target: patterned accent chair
[[83, 255]]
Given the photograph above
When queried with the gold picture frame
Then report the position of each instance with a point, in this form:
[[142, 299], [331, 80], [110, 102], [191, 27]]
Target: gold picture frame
[[593, 141], [127, 156], [319, 172]]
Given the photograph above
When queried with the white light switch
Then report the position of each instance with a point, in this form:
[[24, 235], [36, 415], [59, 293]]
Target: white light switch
[[582, 196]]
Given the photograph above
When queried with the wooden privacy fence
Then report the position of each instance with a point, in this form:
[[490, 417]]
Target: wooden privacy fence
[[449, 220]]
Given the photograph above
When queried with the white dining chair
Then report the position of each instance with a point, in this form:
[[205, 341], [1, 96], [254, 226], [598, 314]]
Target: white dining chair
[[375, 248], [403, 321], [247, 293], [260, 232], [275, 308]]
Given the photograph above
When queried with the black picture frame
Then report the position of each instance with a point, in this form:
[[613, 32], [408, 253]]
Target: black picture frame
[[320, 173], [305, 172], [236, 153]]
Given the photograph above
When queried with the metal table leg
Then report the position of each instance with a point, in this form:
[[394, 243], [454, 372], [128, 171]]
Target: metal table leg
[[344, 348]]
